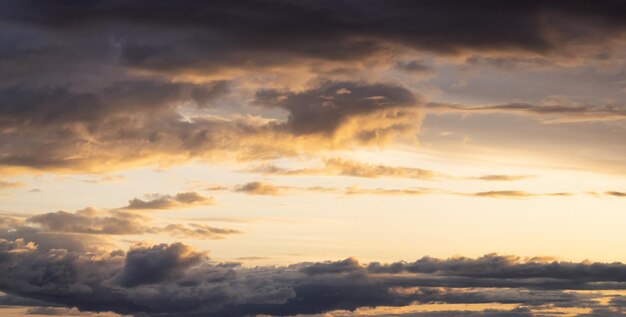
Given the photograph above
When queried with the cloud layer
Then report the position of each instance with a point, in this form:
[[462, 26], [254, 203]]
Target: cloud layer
[[175, 280]]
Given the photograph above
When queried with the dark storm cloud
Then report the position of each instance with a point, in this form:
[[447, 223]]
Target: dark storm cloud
[[25, 106], [100, 84], [12, 300], [174, 280], [509, 267], [325, 108], [415, 67], [346, 28], [156, 264]]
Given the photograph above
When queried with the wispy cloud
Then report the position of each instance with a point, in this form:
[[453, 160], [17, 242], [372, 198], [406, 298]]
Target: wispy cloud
[[161, 202]]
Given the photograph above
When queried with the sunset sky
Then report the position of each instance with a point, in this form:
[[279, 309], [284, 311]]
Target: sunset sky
[[313, 158]]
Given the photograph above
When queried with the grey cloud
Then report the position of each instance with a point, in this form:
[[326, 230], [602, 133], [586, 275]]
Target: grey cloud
[[30, 107], [141, 124], [156, 264], [348, 29], [116, 222], [323, 109], [12, 300], [99, 83], [99, 223], [174, 280], [510, 267], [415, 67], [55, 240]]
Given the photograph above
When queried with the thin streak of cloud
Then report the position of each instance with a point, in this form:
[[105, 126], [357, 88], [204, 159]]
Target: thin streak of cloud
[[164, 202]]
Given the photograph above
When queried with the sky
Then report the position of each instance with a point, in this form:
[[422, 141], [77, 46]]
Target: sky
[[313, 158]]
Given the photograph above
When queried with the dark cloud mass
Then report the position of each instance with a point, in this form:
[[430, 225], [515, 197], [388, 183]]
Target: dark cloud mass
[[175, 280], [257, 25], [104, 84], [325, 108]]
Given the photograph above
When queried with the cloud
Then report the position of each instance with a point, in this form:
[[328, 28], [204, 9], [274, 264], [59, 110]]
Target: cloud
[[104, 179], [328, 110], [349, 30], [355, 190], [559, 111], [258, 188], [518, 312], [514, 194], [415, 67], [498, 178], [616, 193], [147, 125], [194, 231], [142, 87], [503, 194], [160, 202], [175, 280], [337, 166], [344, 167], [156, 264], [5, 184], [90, 221], [100, 223]]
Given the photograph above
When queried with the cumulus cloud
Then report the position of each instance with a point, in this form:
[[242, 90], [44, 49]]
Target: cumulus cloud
[[175, 280], [334, 108]]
